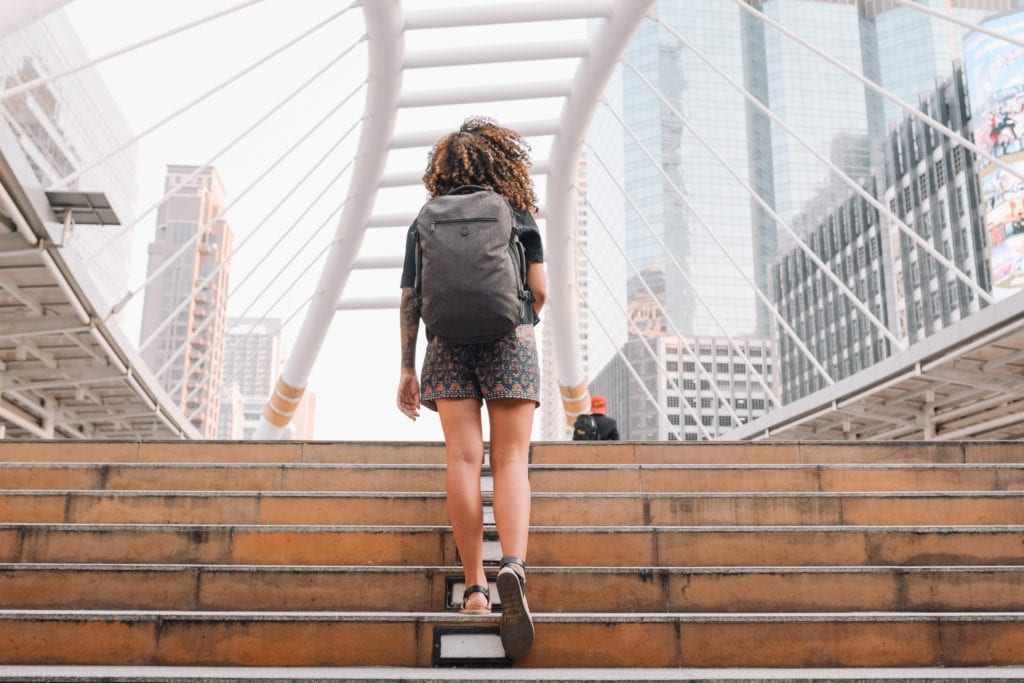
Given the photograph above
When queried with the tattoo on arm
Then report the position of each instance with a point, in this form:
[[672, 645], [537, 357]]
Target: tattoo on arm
[[410, 326]]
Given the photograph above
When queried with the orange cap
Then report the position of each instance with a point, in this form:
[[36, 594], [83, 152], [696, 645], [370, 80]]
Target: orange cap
[[598, 405]]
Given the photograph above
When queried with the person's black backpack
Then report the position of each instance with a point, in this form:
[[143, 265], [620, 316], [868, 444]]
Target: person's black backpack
[[585, 429], [470, 266]]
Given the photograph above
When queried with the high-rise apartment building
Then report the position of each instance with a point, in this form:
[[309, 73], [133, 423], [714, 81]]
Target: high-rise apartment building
[[695, 396], [193, 341], [65, 126], [252, 361], [836, 335], [931, 184]]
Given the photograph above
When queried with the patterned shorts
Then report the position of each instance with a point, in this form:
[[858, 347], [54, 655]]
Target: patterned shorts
[[506, 368]]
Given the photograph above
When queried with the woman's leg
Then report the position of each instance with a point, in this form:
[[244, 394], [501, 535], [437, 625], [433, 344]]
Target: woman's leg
[[511, 421], [463, 438]]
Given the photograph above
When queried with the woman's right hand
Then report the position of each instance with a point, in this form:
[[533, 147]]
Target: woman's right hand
[[409, 394]]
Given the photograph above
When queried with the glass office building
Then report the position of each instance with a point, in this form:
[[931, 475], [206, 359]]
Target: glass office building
[[66, 125], [718, 204]]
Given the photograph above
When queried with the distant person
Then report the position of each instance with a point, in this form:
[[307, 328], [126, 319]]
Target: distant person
[[481, 195], [595, 426]]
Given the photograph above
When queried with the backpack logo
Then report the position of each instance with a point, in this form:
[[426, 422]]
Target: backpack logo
[[585, 429], [470, 266]]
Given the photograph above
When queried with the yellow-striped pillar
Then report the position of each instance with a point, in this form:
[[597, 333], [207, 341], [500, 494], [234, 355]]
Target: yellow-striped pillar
[[575, 401], [282, 404]]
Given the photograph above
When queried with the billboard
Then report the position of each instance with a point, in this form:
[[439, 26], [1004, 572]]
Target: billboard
[[995, 83], [1004, 227]]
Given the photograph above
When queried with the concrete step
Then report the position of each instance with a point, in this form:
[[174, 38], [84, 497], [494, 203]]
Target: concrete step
[[541, 453], [548, 509], [553, 589], [543, 478], [379, 674], [586, 640], [663, 546]]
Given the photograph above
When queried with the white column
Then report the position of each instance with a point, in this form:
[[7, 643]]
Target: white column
[[608, 44], [386, 46]]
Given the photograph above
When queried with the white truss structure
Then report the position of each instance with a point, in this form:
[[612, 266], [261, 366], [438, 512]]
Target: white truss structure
[[385, 28], [67, 373]]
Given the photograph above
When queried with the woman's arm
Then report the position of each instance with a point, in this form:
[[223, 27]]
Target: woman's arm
[[538, 284], [408, 385]]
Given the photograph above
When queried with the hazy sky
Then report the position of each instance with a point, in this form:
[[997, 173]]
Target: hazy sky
[[356, 373]]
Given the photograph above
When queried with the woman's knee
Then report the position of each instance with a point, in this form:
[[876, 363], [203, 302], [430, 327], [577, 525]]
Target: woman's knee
[[510, 457], [465, 454]]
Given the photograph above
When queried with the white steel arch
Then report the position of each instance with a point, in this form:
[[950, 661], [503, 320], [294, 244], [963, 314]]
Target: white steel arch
[[386, 46], [607, 47]]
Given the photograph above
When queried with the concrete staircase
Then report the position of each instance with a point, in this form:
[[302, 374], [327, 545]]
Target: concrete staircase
[[193, 554]]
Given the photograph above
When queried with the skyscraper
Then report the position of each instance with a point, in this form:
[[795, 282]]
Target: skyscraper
[[66, 125], [252, 361], [899, 47], [721, 207], [193, 377]]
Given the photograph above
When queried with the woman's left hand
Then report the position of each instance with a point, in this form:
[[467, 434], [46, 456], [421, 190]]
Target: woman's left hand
[[409, 394]]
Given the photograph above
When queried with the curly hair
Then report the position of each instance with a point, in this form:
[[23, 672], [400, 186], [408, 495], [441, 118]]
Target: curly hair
[[482, 153]]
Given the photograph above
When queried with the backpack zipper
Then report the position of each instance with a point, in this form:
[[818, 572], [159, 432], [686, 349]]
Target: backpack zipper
[[442, 221]]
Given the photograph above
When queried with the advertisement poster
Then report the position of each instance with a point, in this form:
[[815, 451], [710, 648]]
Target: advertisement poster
[[1004, 226], [995, 83]]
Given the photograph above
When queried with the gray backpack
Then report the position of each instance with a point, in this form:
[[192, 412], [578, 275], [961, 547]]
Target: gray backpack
[[470, 266]]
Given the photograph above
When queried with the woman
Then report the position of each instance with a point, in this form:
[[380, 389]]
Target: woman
[[456, 379]]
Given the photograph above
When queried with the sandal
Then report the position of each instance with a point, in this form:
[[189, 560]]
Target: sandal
[[475, 610], [516, 624]]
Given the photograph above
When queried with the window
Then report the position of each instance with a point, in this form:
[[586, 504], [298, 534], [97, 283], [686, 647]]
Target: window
[[961, 201], [672, 366], [958, 160], [672, 402], [691, 437], [689, 421], [689, 385], [915, 274], [757, 403], [722, 367], [689, 367], [741, 403], [952, 294], [673, 419], [707, 420], [706, 402], [725, 421], [940, 172], [907, 202]]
